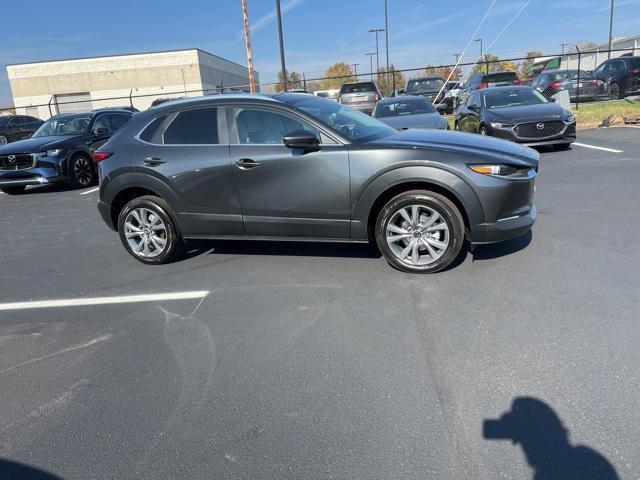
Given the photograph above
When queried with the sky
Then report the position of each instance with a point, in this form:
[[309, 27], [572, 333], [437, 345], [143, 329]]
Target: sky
[[317, 33]]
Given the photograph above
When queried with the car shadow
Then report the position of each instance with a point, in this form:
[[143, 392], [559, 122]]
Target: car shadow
[[17, 471], [502, 249], [537, 429]]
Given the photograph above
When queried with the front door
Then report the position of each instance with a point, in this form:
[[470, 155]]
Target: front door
[[287, 192]]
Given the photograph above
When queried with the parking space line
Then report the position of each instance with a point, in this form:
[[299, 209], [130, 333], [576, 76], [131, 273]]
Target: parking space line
[[90, 191], [79, 302], [612, 150]]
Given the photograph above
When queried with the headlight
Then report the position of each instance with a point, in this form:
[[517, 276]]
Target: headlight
[[54, 153], [570, 119], [500, 170], [500, 125]]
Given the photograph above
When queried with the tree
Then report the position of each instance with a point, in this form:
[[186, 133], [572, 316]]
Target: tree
[[337, 74], [493, 63], [294, 80], [526, 67], [313, 85], [390, 82], [444, 72]]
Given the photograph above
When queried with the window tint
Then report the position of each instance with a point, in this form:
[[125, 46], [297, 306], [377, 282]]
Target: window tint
[[474, 100], [409, 106], [421, 84], [257, 126], [149, 132], [118, 120], [501, 77], [358, 87], [512, 98], [193, 127], [101, 121]]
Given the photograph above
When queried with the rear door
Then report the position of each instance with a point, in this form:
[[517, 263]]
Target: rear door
[[288, 192], [189, 151]]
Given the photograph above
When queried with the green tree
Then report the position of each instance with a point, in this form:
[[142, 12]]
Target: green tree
[[390, 82], [337, 74], [443, 72], [493, 63], [294, 80], [526, 67]]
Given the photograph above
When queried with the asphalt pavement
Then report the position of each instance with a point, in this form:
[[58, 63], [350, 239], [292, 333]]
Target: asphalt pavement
[[320, 361]]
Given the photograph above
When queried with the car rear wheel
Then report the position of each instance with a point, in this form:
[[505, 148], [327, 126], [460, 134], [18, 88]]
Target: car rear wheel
[[614, 91], [82, 174], [420, 231], [147, 230], [17, 190], [3, 140]]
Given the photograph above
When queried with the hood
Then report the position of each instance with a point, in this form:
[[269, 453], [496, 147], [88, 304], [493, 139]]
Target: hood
[[35, 145], [525, 113], [474, 146], [423, 120]]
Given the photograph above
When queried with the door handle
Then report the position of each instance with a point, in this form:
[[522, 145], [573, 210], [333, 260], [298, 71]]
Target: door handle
[[247, 164], [153, 161]]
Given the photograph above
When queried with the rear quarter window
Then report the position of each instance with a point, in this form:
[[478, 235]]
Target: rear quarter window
[[149, 134]]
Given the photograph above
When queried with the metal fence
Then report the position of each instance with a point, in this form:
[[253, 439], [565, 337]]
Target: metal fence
[[571, 71]]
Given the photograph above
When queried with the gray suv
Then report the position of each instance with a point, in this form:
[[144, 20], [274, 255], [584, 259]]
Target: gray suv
[[299, 167], [362, 96]]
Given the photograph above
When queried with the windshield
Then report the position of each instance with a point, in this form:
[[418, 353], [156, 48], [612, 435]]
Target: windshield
[[349, 122], [412, 106], [425, 84], [358, 87], [571, 74], [64, 125], [512, 98]]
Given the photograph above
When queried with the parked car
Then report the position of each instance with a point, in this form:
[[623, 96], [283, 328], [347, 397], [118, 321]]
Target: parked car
[[17, 127], [480, 81], [549, 83], [362, 96], [409, 111], [518, 113], [430, 87], [60, 151], [620, 76], [331, 93], [298, 167]]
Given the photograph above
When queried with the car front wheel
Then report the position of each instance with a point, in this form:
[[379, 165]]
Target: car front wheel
[[614, 91], [81, 172], [147, 230], [420, 231]]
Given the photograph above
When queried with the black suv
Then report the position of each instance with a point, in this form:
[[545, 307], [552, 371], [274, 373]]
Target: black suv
[[299, 167], [59, 151], [17, 127], [487, 80], [432, 87], [621, 76]]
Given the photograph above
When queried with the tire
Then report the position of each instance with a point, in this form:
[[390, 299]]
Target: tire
[[446, 234], [483, 131], [81, 171], [157, 226], [17, 190], [3, 140], [614, 91], [456, 126], [562, 146]]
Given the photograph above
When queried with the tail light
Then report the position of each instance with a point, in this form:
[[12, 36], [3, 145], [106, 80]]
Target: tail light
[[483, 85], [556, 85], [100, 156], [594, 82], [634, 71]]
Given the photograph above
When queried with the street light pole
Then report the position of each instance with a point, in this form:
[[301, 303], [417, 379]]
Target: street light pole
[[611, 29], [370, 55], [247, 39], [386, 31], [562, 56], [282, 65]]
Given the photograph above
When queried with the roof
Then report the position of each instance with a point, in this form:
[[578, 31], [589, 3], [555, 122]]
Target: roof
[[216, 99], [156, 52], [506, 87]]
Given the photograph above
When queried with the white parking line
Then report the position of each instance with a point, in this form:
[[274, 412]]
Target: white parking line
[[597, 148], [90, 191], [79, 302]]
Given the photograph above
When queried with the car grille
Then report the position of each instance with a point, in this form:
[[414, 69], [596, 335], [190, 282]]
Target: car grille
[[16, 162], [534, 130]]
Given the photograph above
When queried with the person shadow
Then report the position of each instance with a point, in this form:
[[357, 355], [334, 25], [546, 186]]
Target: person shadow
[[538, 430], [17, 471]]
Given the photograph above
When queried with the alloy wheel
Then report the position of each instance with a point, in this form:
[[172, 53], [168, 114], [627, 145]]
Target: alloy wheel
[[417, 235], [145, 232], [82, 171]]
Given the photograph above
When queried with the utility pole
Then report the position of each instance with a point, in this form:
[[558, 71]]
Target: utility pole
[[247, 39], [355, 70], [376, 31], [611, 30], [386, 31], [283, 68], [370, 55]]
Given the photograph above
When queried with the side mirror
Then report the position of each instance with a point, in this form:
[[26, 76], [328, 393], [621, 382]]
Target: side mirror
[[101, 131], [301, 139]]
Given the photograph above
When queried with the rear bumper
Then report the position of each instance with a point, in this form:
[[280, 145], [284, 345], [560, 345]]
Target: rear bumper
[[105, 212], [363, 107], [505, 228]]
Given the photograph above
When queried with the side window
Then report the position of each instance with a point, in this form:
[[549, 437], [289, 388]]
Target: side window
[[193, 127], [262, 126], [117, 120], [150, 133], [101, 123], [474, 100]]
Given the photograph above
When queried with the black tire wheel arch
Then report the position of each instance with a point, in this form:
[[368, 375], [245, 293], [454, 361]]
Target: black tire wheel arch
[[76, 181], [159, 207], [435, 201]]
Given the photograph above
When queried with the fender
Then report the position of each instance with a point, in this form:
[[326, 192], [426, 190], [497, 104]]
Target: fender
[[448, 181]]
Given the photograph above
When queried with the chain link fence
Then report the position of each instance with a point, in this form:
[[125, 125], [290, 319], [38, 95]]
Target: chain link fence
[[587, 76]]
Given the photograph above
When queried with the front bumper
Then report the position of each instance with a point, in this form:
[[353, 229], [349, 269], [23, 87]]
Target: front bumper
[[505, 228], [30, 176]]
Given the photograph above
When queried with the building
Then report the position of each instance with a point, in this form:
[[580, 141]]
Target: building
[[592, 57], [43, 89]]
